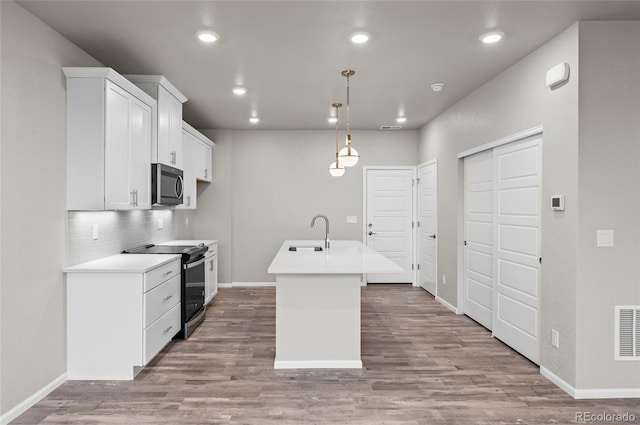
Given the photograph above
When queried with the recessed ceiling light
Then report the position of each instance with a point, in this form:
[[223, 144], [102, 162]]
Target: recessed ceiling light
[[239, 91], [491, 37], [437, 87], [207, 36], [401, 120], [254, 120], [359, 37], [332, 120]]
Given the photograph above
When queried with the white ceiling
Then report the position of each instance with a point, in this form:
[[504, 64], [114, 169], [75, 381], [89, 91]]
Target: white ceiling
[[289, 54]]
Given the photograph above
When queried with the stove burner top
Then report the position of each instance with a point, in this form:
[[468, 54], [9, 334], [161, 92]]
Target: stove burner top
[[188, 251]]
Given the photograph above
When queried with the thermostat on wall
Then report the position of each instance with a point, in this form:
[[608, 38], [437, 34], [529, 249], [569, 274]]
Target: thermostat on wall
[[557, 202], [557, 75]]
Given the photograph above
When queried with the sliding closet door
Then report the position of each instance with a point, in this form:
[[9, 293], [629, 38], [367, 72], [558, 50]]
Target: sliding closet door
[[516, 267], [478, 230]]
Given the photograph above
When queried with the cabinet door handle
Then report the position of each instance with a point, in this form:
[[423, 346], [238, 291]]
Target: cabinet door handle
[[206, 173], [167, 330], [211, 265], [173, 157], [168, 273], [134, 197], [167, 298]]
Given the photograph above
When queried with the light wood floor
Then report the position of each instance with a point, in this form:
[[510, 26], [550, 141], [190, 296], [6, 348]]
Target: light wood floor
[[422, 365]]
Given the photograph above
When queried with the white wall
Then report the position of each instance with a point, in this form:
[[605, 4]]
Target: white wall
[[609, 197], [274, 182], [590, 155], [34, 217]]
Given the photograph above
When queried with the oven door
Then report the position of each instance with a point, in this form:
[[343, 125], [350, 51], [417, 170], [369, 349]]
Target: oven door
[[193, 297]]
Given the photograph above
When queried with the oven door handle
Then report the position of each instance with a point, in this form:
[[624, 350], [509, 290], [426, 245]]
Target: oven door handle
[[194, 263]]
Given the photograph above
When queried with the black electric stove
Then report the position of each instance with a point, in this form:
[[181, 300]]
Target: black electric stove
[[192, 281]]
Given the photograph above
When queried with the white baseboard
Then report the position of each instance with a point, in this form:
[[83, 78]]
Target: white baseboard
[[33, 399], [252, 284], [446, 304], [245, 284], [317, 364], [592, 393]]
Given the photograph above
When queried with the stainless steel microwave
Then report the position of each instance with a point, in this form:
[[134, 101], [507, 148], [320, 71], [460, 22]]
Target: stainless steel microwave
[[166, 185]]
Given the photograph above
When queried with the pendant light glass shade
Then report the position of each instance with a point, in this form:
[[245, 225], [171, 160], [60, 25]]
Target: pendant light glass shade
[[336, 170], [348, 156]]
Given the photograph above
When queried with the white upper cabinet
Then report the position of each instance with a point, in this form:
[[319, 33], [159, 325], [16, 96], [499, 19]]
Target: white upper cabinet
[[166, 147], [191, 163], [203, 154], [108, 141]]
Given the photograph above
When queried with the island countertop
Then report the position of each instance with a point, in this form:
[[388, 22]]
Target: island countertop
[[343, 257]]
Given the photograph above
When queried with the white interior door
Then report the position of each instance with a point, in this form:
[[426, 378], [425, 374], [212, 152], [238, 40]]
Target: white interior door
[[478, 231], [427, 226], [389, 218], [516, 302]]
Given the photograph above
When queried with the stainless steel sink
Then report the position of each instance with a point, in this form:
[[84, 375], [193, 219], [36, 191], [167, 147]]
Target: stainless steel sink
[[305, 248]]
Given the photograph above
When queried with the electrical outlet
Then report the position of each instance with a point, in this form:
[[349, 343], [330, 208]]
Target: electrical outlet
[[95, 232], [160, 224], [444, 279], [186, 221], [555, 338], [352, 219]]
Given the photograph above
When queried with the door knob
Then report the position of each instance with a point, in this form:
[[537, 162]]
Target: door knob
[[432, 236], [371, 233]]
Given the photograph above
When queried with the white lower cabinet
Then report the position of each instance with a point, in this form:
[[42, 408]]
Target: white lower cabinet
[[119, 319], [211, 273]]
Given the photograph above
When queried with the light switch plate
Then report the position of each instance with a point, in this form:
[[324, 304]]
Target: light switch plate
[[604, 239], [95, 231], [160, 224], [352, 219]]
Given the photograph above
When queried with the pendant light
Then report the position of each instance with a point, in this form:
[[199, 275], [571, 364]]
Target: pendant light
[[336, 169], [348, 155]]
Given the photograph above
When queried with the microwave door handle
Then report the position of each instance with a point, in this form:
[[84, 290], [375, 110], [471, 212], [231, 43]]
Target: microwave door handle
[[179, 186]]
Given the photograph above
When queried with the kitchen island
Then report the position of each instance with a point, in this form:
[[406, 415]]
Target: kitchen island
[[318, 302]]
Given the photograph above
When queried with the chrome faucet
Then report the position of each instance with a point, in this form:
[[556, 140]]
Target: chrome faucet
[[326, 228]]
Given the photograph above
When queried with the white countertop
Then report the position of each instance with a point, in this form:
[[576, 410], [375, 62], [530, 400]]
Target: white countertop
[[123, 263], [343, 257], [188, 242]]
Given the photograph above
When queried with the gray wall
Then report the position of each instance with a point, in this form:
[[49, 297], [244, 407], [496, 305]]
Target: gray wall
[[273, 182], [589, 127], [609, 197], [34, 217]]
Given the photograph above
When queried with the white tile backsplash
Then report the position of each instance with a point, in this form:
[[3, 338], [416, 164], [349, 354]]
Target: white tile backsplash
[[117, 231]]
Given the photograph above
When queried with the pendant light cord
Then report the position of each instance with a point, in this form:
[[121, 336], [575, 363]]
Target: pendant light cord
[[337, 105]]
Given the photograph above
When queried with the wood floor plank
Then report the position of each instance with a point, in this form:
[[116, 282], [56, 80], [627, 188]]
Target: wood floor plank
[[422, 365]]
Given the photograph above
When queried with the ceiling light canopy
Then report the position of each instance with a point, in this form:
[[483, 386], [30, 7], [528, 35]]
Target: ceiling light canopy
[[207, 36], [491, 37], [359, 37]]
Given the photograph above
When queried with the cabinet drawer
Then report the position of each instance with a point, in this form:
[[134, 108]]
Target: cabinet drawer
[[161, 274], [156, 336], [160, 299]]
